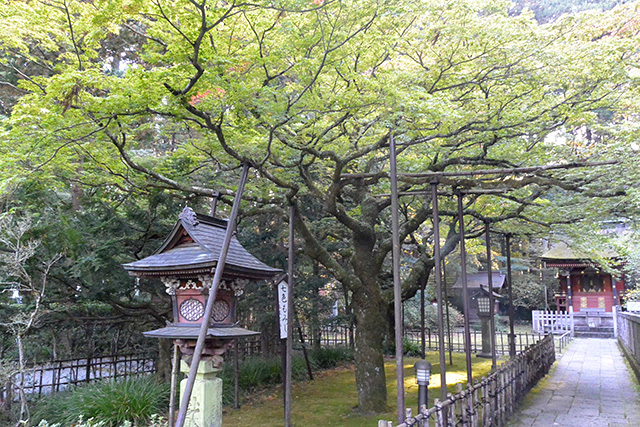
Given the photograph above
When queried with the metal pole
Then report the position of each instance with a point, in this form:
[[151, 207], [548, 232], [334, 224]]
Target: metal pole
[[465, 289], [236, 370], [283, 352], [438, 262], [446, 301], [492, 321], [512, 335], [219, 268], [304, 346], [423, 285], [174, 385], [397, 285], [287, 400]]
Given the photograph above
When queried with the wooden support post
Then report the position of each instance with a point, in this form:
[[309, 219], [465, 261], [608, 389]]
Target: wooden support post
[[492, 320], [236, 372], [289, 348], [465, 289], [512, 335], [304, 345], [175, 370], [438, 266], [397, 285]]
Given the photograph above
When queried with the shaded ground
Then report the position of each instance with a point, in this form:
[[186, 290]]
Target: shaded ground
[[329, 399], [590, 386]]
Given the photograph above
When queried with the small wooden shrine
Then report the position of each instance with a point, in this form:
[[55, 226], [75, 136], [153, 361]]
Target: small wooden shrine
[[186, 263], [478, 284]]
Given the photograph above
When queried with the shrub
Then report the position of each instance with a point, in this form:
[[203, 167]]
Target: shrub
[[112, 403], [326, 358], [410, 348]]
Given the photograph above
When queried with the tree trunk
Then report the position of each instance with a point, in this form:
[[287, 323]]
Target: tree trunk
[[24, 409], [165, 357], [369, 334], [314, 319]]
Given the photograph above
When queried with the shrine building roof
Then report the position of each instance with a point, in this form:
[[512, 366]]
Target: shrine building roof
[[561, 255], [481, 279]]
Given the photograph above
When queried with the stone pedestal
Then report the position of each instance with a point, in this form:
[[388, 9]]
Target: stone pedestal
[[205, 406], [486, 338]]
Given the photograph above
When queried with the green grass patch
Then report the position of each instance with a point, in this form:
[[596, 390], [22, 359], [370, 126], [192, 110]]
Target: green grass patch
[[257, 373]]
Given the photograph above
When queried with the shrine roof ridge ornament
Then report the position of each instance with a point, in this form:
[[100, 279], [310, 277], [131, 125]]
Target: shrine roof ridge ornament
[[194, 244]]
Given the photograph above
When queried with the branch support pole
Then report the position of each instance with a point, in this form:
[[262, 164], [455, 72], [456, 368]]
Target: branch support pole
[[219, 269], [397, 285], [492, 320], [465, 289], [290, 314], [512, 335], [438, 262]]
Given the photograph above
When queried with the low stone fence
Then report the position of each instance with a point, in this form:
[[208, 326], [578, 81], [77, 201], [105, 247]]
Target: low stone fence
[[489, 401], [628, 334]]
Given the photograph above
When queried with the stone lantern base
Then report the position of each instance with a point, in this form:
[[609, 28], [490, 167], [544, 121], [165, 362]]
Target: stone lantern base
[[205, 406], [486, 339]]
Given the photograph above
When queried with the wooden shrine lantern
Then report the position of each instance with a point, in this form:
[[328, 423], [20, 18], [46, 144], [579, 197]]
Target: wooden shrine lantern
[[186, 263]]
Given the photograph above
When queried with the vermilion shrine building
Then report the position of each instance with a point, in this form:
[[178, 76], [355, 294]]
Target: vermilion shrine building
[[585, 289], [583, 285]]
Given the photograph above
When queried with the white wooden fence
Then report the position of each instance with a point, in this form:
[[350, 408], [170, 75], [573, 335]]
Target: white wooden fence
[[556, 322]]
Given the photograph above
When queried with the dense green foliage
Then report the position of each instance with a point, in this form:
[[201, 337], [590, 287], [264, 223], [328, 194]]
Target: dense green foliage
[[111, 402]]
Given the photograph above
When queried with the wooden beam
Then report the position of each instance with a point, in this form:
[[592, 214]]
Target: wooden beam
[[503, 171]]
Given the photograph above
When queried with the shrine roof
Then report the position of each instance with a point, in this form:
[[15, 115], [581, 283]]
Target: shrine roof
[[562, 251], [481, 279], [194, 246]]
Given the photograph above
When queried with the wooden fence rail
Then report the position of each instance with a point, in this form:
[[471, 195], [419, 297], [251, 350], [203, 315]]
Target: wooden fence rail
[[457, 340], [62, 374], [489, 401]]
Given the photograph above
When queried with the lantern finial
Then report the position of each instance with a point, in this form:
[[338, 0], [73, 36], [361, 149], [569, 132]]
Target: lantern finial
[[189, 216]]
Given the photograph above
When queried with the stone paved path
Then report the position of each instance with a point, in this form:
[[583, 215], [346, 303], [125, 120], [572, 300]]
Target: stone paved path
[[590, 386]]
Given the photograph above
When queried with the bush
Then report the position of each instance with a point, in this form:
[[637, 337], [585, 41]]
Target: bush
[[410, 348], [326, 358], [108, 403], [412, 315]]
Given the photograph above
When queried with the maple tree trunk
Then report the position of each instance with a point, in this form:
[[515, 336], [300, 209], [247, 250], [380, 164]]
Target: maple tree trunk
[[369, 362]]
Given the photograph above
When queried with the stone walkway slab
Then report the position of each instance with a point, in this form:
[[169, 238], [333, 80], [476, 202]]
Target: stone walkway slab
[[590, 386]]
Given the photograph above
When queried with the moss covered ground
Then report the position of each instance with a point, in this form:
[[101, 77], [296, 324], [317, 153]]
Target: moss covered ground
[[330, 399]]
